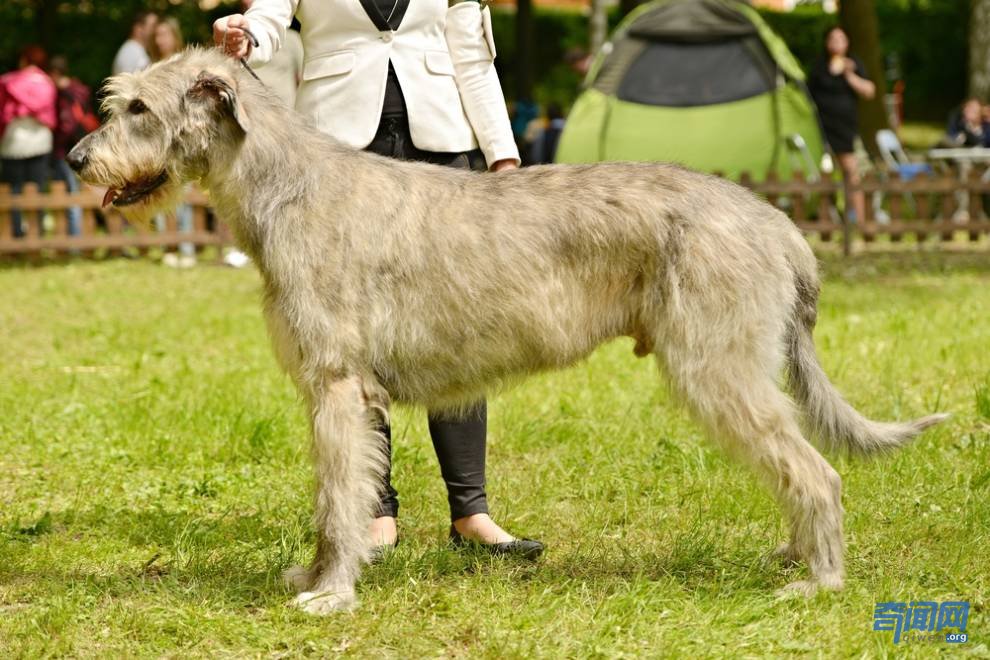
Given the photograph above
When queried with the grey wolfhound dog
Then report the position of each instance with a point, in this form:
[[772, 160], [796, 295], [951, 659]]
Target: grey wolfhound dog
[[388, 281]]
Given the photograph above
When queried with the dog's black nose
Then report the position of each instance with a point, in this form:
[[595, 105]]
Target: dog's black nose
[[76, 158]]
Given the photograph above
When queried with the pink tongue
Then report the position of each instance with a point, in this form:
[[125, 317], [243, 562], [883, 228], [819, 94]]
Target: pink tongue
[[109, 197]]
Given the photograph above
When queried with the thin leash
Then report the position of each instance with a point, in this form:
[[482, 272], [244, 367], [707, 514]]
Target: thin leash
[[254, 44]]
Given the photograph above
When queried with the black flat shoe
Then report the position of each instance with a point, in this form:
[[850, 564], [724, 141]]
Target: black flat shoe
[[522, 548], [379, 552]]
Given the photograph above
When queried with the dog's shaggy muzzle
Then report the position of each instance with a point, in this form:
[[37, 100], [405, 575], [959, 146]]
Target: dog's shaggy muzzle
[[390, 281]]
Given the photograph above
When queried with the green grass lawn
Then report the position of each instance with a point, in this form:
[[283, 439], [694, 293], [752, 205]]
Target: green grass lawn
[[154, 481]]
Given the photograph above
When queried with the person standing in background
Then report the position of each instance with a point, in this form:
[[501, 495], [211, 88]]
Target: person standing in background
[[133, 54], [27, 118], [75, 120], [166, 41], [836, 83]]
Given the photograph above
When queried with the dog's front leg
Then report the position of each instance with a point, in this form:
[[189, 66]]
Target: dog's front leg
[[348, 458]]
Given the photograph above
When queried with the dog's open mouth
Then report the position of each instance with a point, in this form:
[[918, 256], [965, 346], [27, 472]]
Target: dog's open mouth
[[133, 192]]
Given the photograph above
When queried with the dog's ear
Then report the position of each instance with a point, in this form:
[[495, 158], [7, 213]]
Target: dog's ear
[[211, 86]]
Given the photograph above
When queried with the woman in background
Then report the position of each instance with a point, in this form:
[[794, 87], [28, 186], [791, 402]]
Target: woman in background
[[837, 82], [27, 118], [166, 41]]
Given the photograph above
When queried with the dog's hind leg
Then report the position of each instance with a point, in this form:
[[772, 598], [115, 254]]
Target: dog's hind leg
[[348, 458], [724, 358], [754, 421]]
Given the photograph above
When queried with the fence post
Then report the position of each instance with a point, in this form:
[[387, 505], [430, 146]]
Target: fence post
[[976, 186], [846, 226], [918, 189], [799, 200], [6, 216], [846, 236]]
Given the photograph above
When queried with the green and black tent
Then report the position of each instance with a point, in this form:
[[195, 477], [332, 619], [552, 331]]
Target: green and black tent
[[705, 83]]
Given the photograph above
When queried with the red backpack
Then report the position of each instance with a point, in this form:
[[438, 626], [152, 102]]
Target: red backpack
[[75, 119]]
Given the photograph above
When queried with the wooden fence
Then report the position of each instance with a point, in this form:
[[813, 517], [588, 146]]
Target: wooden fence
[[950, 205], [45, 223]]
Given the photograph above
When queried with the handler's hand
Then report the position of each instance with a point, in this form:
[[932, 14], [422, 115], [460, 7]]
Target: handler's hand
[[229, 37], [504, 164]]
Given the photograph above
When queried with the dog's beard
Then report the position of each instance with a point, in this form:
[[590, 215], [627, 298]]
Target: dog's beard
[[138, 192]]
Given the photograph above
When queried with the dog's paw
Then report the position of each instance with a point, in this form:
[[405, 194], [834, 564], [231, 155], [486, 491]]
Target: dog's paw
[[322, 603], [297, 578], [809, 588], [805, 588]]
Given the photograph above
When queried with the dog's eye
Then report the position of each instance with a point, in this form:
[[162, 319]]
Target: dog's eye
[[137, 107]]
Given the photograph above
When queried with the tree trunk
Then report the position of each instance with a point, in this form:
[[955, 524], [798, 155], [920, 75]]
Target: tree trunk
[[524, 50], [44, 19], [599, 25], [859, 20], [979, 50]]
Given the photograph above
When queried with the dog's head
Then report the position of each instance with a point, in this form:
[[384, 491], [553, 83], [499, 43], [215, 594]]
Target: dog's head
[[164, 127]]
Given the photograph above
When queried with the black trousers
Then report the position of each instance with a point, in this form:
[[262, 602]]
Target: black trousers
[[17, 172], [459, 443]]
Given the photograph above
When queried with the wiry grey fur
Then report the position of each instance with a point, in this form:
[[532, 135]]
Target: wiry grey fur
[[391, 281]]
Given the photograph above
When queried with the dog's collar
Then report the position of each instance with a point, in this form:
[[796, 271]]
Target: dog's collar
[[136, 194]]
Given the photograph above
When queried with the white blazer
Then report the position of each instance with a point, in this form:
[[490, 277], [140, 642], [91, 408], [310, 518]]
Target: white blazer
[[442, 57]]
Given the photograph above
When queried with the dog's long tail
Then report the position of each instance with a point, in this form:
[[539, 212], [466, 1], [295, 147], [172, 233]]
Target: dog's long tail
[[835, 424]]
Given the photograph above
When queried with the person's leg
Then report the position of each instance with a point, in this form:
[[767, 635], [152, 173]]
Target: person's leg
[[13, 172], [460, 444], [64, 173], [185, 256], [184, 219], [854, 195], [383, 530], [38, 172]]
